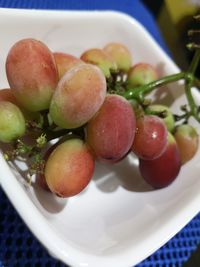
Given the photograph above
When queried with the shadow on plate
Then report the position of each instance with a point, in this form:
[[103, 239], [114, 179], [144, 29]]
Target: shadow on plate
[[49, 201], [109, 177]]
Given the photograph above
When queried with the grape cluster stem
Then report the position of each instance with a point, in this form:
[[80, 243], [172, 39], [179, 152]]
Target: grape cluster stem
[[189, 78]]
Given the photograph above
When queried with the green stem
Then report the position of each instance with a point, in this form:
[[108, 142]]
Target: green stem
[[194, 63], [190, 99], [189, 82], [139, 92]]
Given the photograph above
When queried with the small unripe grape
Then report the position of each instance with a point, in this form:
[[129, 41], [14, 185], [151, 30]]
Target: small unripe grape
[[65, 62], [12, 122], [78, 96], [99, 58], [69, 168], [187, 140], [120, 54], [141, 74], [168, 115], [32, 74], [150, 138]]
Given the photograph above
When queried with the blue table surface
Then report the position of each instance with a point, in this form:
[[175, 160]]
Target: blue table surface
[[18, 247]]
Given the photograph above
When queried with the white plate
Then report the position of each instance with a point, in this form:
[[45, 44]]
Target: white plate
[[118, 220]]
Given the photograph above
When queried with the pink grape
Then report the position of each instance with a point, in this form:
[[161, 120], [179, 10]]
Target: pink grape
[[162, 171], [120, 54], [151, 137], [69, 168], [99, 58], [32, 74], [78, 96], [111, 131], [65, 62]]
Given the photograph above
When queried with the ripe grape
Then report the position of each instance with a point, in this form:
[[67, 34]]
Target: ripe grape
[[78, 96], [120, 54], [12, 122], [101, 59], [151, 137], [69, 168], [141, 73], [168, 116], [187, 140], [111, 131], [6, 94], [138, 109], [162, 171], [32, 74], [65, 62]]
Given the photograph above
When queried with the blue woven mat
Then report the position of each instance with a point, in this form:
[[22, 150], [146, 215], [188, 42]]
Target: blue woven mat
[[18, 247]]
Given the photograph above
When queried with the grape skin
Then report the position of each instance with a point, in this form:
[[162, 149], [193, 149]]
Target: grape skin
[[151, 137], [162, 171], [65, 62], [120, 54], [69, 168], [12, 122], [111, 131], [78, 96], [32, 74]]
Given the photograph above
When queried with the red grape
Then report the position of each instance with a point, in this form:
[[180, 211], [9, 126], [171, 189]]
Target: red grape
[[32, 74], [151, 137], [78, 96], [69, 168], [161, 171], [111, 131], [65, 62]]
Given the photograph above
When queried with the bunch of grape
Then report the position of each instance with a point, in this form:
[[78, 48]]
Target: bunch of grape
[[79, 102]]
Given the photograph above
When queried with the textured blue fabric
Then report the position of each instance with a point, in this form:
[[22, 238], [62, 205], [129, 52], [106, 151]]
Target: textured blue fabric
[[18, 247]]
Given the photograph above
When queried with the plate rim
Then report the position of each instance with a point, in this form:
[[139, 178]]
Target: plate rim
[[72, 256]]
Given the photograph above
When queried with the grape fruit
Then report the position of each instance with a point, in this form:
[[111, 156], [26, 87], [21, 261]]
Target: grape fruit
[[111, 131], [141, 73], [65, 62], [151, 137], [69, 168], [120, 55], [78, 96], [187, 140], [32, 74], [162, 171], [168, 117], [99, 58], [12, 122]]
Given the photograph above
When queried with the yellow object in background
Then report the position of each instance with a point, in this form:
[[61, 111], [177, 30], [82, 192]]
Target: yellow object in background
[[174, 20], [178, 9]]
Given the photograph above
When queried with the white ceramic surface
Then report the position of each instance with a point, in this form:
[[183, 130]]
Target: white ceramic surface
[[118, 220]]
